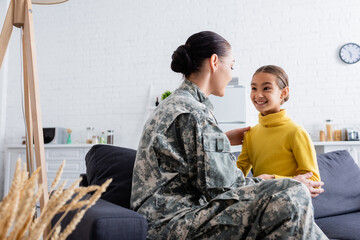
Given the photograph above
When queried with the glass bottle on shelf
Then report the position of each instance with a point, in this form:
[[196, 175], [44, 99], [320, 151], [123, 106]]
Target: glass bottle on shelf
[[23, 140], [329, 130], [337, 133], [322, 135], [110, 137], [102, 139], [90, 134], [95, 139]]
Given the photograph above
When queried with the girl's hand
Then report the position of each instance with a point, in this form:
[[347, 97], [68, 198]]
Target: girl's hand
[[266, 176], [314, 187], [236, 136]]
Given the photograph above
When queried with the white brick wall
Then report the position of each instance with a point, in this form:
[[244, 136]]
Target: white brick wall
[[101, 63]]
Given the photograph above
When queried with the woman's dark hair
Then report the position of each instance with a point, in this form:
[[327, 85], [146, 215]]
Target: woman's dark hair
[[188, 58], [281, 76]]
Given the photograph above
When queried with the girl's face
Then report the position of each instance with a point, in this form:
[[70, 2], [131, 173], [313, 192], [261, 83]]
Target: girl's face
[[266, 95], [223, 75]]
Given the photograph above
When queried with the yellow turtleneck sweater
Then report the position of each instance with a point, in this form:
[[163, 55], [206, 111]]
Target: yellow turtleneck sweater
[[278, 146]]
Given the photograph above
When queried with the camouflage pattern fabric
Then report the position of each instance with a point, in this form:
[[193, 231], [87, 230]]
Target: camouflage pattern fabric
[[187, 185]]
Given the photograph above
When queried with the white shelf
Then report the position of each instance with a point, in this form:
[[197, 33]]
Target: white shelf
[[74, 154], [338, 143]]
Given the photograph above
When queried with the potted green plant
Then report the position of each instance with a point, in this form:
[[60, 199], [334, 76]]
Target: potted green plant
[[165, 95]]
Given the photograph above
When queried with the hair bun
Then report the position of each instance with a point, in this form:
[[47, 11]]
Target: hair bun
[[181, 60]]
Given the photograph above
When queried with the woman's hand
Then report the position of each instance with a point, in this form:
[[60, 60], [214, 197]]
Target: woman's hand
[[314, 187], [236, 136], [266, 176]]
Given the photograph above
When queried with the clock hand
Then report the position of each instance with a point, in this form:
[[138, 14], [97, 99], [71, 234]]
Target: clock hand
[[350, 54]]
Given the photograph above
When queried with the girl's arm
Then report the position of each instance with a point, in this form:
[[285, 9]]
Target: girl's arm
[[305, 155], [243, 161]]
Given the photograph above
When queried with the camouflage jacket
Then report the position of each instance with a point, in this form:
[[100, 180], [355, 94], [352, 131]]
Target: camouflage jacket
[[183, 166]]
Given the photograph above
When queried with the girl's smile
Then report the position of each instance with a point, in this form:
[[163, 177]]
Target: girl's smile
[[260, 102], [266, 95]]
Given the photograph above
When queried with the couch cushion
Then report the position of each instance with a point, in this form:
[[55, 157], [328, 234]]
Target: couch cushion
[[341, 176], [345, 226], [107, 161], [105, 220]]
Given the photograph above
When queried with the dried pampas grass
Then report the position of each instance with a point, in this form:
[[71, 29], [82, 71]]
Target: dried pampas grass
[[17, 209]]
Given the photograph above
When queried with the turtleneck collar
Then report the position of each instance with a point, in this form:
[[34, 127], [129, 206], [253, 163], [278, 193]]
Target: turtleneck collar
[[274, 119], [195, 91]]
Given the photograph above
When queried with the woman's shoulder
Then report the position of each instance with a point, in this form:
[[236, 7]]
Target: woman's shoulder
[[184, 102], [179, 103]]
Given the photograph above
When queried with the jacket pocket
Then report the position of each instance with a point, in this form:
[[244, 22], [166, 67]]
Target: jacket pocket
[[220, 166]]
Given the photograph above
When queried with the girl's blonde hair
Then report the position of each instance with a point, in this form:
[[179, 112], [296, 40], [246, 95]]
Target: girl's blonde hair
[[279, 73]]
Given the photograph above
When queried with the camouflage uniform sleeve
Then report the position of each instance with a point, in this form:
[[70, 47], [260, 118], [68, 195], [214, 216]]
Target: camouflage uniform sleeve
[[187, 142]]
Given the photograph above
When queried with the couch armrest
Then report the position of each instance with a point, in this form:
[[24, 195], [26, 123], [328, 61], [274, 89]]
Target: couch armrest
[[106, 220]]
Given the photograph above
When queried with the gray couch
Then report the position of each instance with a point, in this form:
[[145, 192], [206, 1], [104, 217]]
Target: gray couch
[[110, 218], [337, 210]]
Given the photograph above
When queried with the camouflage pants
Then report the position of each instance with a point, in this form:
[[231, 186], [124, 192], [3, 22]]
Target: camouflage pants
[[274, 209]]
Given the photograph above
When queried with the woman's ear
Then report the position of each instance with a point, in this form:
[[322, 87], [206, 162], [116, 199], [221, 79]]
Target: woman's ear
[[214, 62]]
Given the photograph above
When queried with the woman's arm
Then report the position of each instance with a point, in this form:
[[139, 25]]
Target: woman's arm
[[201, 153], [236, 136]]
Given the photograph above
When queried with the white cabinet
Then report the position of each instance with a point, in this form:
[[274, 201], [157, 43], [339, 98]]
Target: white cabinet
[[73, 154], [353, 147]]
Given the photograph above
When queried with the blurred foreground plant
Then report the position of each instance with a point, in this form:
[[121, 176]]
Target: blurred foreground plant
[[17, 209]]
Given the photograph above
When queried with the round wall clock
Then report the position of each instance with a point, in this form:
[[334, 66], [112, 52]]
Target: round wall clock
[[350, 53]]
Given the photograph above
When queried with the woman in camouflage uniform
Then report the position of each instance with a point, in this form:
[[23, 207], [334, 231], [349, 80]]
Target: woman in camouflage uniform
[[185, 179]]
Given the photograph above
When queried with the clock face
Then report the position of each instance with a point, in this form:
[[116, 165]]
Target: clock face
[[350, 53]]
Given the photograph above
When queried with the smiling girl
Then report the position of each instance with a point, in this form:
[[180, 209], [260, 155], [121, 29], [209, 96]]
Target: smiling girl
[[277, 147]]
